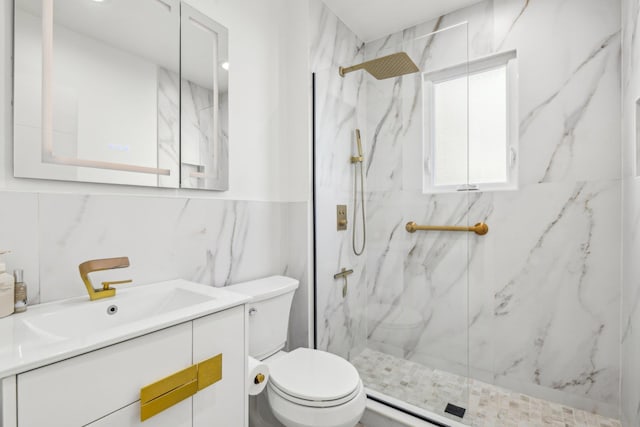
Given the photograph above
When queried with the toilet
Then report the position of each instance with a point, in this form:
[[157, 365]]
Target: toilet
[[306, 387]]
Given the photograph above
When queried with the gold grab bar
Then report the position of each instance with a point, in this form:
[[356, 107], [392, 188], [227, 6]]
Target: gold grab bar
[[480, 228]]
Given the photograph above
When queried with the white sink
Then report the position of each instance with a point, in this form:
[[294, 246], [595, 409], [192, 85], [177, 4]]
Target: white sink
[[49, 332], [85, 318]]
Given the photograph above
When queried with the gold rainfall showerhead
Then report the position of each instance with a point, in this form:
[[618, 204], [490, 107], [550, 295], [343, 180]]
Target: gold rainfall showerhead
[[393, 65]]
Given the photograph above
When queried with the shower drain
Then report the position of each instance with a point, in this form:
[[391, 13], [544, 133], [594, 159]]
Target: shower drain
[[455, 410]]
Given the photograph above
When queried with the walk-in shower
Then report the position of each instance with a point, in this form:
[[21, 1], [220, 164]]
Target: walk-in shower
[[403, 323], [447, 318]]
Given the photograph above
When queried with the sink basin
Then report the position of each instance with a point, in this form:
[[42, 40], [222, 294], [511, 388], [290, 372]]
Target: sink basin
[[49, 332], [100, 316]]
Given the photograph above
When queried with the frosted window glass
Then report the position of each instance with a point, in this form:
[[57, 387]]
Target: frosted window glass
[[450, 132], [487, 125]]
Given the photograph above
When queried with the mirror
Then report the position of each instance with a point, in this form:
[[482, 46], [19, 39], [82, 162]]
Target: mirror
[[204, 100], [97, 93]]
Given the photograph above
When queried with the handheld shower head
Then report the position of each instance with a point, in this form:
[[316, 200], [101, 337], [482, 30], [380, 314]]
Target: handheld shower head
[[359, 158]]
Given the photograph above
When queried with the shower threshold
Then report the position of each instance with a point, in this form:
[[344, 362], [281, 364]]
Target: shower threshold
[[425, 392], [403, 413]]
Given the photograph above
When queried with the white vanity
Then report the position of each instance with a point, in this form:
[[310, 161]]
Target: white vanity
[[174, 351]]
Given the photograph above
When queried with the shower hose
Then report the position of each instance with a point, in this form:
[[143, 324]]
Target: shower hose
[[355, 214]]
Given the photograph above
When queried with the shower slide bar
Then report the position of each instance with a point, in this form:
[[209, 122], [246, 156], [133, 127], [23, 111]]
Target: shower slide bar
[[480, 228]]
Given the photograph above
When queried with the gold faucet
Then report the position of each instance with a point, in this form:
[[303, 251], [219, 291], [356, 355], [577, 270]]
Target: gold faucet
[[101, 265]]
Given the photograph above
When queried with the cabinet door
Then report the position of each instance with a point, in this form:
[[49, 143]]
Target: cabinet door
[[178, 415], [223, 403], [82, 389], [8, 415]]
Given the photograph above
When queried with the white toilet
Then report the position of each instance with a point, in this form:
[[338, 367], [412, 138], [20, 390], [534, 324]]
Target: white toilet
[[307, 388]]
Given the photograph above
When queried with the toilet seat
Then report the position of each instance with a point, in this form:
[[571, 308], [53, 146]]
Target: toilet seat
[[316, 403], [291, 414], [314, 378]]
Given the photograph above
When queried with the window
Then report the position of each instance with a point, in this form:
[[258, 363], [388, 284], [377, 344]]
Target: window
[[472, 136]]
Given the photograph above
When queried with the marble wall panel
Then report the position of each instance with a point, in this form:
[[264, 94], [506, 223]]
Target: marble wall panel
[[340, 322], [19, 234], [297, 220], [216, 242], [208, 241], [630, 333]]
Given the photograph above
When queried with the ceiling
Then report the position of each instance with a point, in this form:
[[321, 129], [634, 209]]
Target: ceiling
[[372, 19]]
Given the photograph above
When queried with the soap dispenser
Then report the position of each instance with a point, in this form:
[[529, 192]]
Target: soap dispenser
[[20, 289], [6, 290]]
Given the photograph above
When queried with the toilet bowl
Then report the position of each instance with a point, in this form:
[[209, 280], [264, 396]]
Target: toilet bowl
[[306, 387], [312, 388]]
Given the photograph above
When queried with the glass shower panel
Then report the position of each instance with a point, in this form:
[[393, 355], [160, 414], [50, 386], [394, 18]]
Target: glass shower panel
[[416, 351], [340, 302]]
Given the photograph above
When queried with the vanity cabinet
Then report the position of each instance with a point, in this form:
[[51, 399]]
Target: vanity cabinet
[[102, 388]]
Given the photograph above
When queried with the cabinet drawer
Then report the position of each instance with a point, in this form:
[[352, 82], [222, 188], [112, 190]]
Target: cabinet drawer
[[129, 416], [87, 387]]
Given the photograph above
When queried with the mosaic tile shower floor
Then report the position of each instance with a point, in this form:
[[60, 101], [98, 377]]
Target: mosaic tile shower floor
[[489, 406]]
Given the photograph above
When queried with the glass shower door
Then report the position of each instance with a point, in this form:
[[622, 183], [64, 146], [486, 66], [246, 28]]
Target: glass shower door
[[416, 355], [403, 321]]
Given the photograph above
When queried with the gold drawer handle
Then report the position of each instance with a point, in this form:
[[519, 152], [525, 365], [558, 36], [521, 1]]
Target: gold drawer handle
[[167, 384], [163, 394], [159, 404], [209, 372]]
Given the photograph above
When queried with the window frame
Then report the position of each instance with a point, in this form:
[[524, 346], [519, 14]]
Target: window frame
[[505, 59]]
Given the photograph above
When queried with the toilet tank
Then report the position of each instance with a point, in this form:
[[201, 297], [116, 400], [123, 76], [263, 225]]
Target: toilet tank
[[268, 312]]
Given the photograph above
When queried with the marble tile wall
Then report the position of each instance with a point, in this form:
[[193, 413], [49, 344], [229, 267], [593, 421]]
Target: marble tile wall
[[543, 285], [340, 322], [211, 241], [298, 265], [630, 399]]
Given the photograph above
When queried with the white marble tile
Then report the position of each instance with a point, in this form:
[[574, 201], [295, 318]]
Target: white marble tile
[[340, 319], [332, 42], [630, 319], [556, 288], [19, 234], [209, 241], [630, 333], [568, 119], [75, 228], [337, 99], [298, 244], [244, 241]]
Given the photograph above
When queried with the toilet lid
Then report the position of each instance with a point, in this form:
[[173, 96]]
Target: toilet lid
[[314, 375]]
